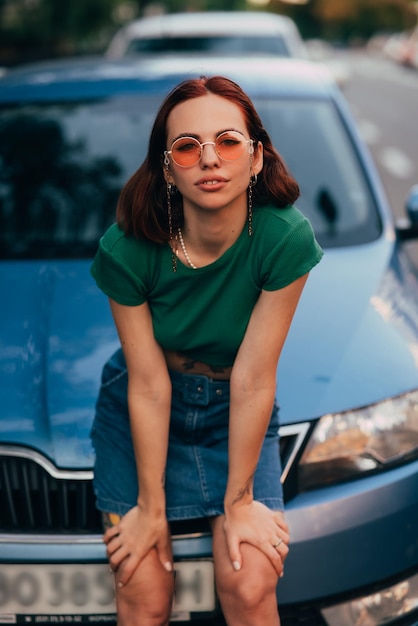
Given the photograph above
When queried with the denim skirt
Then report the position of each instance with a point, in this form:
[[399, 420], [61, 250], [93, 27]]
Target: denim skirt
[[197, 460]]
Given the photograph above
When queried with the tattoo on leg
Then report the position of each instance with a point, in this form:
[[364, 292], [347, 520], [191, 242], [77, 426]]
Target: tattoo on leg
[[109, 520], [247, 489]]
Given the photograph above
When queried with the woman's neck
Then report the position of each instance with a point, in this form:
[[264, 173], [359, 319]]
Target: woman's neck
[[213, 231]]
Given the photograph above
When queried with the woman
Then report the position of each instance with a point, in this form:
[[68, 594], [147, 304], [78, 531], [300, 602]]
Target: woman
[[204, 270]]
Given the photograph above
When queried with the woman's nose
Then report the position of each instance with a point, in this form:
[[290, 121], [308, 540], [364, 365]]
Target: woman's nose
[[209, 154]]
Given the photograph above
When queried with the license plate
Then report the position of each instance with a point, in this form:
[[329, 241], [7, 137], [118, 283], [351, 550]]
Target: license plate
[[76, 593]]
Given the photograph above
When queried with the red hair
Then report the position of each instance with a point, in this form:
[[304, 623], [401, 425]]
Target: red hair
[[142, 206]]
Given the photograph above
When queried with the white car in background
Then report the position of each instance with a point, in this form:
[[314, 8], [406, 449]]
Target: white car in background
[[403, 48], [225, 33]]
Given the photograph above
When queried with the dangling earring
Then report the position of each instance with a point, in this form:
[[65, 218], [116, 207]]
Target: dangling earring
[[170, 189], [253, 182]]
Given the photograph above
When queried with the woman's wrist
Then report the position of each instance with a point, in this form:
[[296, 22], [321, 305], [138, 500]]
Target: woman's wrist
[[237, 498], [152, 504]]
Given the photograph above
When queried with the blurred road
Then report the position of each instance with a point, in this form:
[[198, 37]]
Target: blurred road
[[383, 97]]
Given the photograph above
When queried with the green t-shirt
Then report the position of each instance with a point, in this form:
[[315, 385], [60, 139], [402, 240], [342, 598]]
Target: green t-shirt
[[203, 313]]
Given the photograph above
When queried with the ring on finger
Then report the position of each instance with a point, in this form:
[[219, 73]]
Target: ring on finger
[[278, 543]]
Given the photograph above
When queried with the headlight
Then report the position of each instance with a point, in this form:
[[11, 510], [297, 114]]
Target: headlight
[[377, 609], [345, 445]]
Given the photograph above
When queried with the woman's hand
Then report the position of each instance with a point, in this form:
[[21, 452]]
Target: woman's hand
[[129, 541], [259, 526]]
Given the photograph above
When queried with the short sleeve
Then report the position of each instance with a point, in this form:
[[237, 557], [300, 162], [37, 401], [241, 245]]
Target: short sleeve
[[112, 273], [292, 257]]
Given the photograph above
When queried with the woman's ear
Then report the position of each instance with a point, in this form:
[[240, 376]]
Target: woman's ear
[[258, 159]]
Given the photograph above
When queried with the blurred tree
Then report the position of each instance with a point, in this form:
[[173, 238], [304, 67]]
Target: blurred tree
[[359, 19], [350, 20], [42, 28]]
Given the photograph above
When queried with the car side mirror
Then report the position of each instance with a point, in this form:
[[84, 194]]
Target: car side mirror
[[407, 228], [412, 204]]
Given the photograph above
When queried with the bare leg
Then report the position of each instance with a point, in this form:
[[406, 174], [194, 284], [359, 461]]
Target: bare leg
[[247, 597], [146, 600]]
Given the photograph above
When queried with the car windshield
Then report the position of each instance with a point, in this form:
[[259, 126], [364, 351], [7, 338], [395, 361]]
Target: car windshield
[[62, 167], [213, 44]]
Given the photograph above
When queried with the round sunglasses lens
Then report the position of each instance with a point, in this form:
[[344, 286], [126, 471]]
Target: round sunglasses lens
[[186, 151], [230, 146]]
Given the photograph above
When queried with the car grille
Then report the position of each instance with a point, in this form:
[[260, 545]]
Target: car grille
[[36, 497]]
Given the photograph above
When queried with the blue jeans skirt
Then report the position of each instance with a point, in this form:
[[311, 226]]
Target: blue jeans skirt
[[197, 460]]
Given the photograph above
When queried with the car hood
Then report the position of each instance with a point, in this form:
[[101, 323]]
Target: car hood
[[55, 334], [354, 338], [354, 341]]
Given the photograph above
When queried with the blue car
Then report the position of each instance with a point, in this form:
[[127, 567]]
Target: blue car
[[71, 133]]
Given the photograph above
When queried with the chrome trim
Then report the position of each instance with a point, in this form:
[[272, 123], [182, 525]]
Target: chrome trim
[[293, 430], [46, 464], [299, 430], [51, 539], [206, 533], [77, 539]]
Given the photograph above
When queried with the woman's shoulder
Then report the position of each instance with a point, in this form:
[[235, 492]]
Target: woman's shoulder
[[277, 223], [117, 243], [123, 268], [113, 237], [287, 216], [287, 245]]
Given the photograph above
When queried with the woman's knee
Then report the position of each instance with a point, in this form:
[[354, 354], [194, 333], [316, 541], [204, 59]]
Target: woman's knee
[[252, 585], [152, 610], [146, 600], [144, 609]]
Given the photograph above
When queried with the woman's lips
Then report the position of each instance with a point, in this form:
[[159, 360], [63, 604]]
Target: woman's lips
[[211, 184]]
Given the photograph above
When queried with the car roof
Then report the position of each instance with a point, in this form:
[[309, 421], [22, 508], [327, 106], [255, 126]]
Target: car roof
[[72, 79], [210, 23]]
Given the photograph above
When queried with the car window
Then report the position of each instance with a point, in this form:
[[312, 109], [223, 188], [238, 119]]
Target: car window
[[61, 170], [62, 167], [334, 193], [213, 44]]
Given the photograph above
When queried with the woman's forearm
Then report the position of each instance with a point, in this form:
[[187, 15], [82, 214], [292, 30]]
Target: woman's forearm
[[149, 400], [250, 415], [149, 417]]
